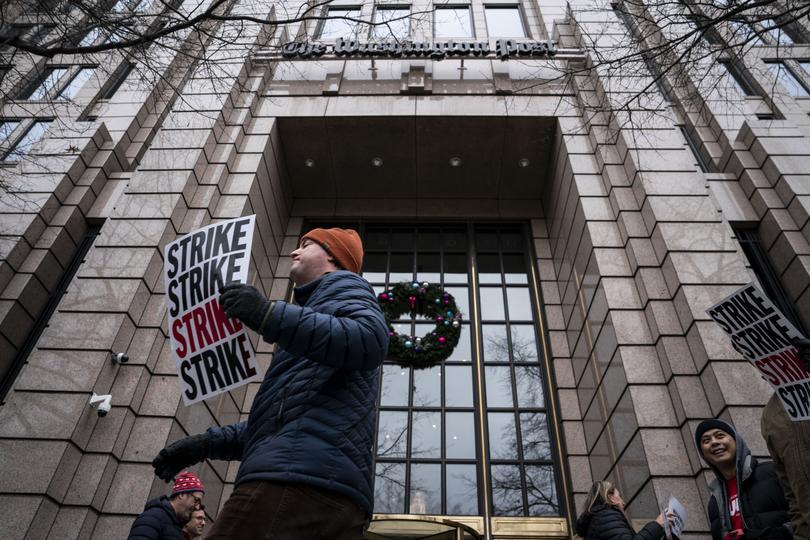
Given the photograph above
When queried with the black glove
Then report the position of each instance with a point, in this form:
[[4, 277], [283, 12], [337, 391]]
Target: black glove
[[179, 455], [245, 303]]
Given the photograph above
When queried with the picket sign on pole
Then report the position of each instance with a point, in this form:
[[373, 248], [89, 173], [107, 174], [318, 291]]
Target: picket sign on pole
[[212, 352], [761, 333]]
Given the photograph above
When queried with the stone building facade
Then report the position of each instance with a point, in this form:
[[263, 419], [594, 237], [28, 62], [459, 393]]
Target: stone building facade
[[589, 243]]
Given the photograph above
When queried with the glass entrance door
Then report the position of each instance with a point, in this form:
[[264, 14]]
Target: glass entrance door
[[474, 436]]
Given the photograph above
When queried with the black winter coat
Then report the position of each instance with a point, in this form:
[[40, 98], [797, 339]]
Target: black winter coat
[[762, 503], [157, 522], [607, 523], [762, 500]]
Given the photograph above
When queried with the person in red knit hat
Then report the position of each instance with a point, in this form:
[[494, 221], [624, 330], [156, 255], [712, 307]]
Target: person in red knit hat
[[163, 518]]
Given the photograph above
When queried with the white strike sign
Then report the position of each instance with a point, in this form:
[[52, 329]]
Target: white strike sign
[[212, 352], [763, 335]]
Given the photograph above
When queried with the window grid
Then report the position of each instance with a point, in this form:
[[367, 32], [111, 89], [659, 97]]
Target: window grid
[[43, 84], [737, 79], [76, 83], [337, 27], [442, 255], [785, 76], [23, 145], [397, 19]]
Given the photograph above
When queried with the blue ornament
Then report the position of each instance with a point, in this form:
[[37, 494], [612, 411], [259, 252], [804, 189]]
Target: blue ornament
[[438, 301], [446, 323], [408, 344], [449, 313], [415, 285]]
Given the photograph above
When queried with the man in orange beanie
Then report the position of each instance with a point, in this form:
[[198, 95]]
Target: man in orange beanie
[[306, 448]]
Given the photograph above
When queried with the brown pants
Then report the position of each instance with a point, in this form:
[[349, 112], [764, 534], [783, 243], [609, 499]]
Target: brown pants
[[789, 445], [272, 511]]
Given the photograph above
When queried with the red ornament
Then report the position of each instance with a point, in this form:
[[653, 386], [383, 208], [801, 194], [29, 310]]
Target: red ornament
[[412, 301]]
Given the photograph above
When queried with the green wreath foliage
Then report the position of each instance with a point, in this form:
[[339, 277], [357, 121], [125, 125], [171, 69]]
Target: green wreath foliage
[[431, 302]]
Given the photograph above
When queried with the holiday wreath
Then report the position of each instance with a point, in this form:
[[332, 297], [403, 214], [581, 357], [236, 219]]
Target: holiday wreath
[[431, 302]]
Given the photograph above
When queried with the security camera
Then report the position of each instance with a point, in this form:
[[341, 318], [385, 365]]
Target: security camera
[[119, 358], [104, 403]]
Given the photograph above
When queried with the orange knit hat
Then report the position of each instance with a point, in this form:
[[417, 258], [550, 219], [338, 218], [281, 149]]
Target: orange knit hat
[[342, 244]]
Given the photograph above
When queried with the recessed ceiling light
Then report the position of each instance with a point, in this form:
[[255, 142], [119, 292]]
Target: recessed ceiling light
[[377, 161], [523, 162], [455, 161], [309, 162]]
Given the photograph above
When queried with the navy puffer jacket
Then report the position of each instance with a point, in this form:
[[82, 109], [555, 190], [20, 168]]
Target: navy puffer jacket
[[157, 522], [312, 421]]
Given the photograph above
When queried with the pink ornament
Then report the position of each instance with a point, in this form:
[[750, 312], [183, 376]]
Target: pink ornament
[[442, 339], [384, 296], [412, 301]]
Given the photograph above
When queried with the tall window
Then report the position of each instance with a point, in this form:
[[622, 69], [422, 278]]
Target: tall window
[[72, 88], [24, 144], [737, 78], [777, 33], [504, 21], [339, 24], [787, 79], [473, 428], [7, 127], [116, 81], [452, 22], [43, 84], [393, 23], [741, 32]]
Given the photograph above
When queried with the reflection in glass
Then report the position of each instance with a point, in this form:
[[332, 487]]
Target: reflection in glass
[[462, 490], [534, 432], [512, 241], [374, 267], [394, 386], [507, 497], [428, 267], [463, 351], [460, 435], [427, 435], [486, 240], [514, 268], [392, 436], [496, 346], [389, 488], [76, 83], [397, 24], [337, 25], [402, 239], [401, 268], [461, 295], [541, 491], [502, 436], [427, 387], [455, 239], [376, 239], [492, 304], [499, 386], [529, 382], [455, 268], [489, 268], [429, 239], [458, 386], [524, 345], [504, 22], [519, 302], [426, 488]]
